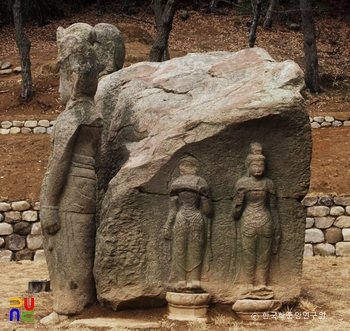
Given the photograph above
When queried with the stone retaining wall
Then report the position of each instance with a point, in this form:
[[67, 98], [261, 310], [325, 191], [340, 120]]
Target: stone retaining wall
[[327, 121], [327, 228], [20, 231], [45, 126], [30, 126]]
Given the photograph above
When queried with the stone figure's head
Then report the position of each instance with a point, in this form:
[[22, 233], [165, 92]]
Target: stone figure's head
[[255, 162], [77, 62], [86, 54], [110, 49], [188, 165]]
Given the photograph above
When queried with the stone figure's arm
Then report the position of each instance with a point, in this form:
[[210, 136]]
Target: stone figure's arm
[[238, 203], [276, 221], [208, 212], [173, 207], [58, 172], [50, 219], [206, 206], [98, 155], [204, 192]]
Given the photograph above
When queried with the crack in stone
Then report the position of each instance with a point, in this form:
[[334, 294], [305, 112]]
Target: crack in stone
[[141, 190], [170, 90]]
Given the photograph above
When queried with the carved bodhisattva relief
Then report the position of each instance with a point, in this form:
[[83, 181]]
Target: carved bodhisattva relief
[[188, 225], [68, 193], [257, 224]]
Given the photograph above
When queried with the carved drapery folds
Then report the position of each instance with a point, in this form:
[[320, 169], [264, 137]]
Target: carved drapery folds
[[188, 225], [68, 196], [257, 223]]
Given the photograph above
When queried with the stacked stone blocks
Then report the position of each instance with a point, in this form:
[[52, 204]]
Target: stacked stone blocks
[[327, 226], [45, 126], [20, 231], [327, 121], [30, 126]]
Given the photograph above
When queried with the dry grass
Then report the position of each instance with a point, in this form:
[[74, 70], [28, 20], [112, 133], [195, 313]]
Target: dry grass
[[325, 288], [306, 305], [223, 320]]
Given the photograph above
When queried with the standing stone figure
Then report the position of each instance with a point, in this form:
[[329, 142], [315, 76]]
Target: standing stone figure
[[68, 201], [188, 225], [254, 209]]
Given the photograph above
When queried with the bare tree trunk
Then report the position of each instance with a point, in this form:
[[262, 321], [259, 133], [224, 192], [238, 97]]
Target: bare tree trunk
[[101, 6], [213, 6], [254, 26], [311, 75], [164, 27], [196, 4], [158, 11], [23, 44], [40, 13], [268, 17]]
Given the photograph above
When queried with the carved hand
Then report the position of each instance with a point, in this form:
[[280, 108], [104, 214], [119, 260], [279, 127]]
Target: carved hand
[[206, 205], [275, 244], [239, 198], [238, 205], [276, 240], [50, 220], [166, 233]]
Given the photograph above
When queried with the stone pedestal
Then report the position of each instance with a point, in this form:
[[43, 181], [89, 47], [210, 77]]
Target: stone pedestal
[[249, 309], [188, 306]]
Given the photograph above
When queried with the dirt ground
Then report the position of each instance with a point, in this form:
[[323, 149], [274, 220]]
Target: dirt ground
[[322, 284], [23, 158]]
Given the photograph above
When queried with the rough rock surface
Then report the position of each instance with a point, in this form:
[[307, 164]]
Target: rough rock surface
[[318, 211], [211, 106], [310, 221], [342, 222], [20, 205], [337, 211], [346, 234], [5, 255], [12, 216], [25, 254], [342, 249], [324, 249], [333, 235], [308, 250], [15, 242], [314, 236], [324, 222], [22, 228]]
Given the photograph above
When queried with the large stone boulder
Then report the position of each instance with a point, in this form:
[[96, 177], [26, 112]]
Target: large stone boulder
[[210, 106]]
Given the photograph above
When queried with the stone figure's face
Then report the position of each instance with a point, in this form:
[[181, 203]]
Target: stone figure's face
[[187, 168], [78, 69], [66, 85], [256, 168]]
